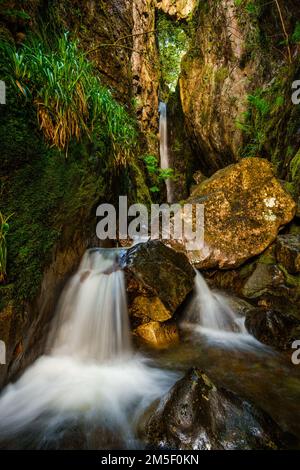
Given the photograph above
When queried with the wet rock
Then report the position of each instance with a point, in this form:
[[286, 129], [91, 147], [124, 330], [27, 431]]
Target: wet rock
[[263, 280], [273, 328], [240, 306], [158, 281], [196, 415], [151, 307], [155, 270], [245, 206], [158, 334], [288, 252]]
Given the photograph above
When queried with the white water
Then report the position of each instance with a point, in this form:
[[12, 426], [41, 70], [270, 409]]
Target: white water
[[164, 150], [92, 312], [210, 315], [91, 376]]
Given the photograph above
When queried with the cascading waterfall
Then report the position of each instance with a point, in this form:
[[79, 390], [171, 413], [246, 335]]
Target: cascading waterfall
[[164, 150], [92, 313], [91, 378], [211, 315], [211, 309]]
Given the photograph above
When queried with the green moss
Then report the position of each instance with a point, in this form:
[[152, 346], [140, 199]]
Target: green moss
[[268, 257], [221, 74], [296, 34], [291, 280], [51, 198], [295, 167]]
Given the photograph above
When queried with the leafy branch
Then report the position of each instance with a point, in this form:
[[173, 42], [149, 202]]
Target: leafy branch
[[157, 175]]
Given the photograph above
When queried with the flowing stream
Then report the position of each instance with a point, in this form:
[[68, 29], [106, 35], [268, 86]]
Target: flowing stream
[[91, 382], [164, 150], [92, 388]]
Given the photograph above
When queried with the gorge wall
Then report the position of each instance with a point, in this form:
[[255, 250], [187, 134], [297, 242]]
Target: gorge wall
[[233, 100], [236, 83]]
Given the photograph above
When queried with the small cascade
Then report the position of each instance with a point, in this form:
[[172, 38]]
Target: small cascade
[[164, 150], [91, 379], [92, 320], [211, 310], [211, 315]]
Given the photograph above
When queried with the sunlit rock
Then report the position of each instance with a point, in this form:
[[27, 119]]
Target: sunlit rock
[[179, 8], [245, 207], [158, 334]]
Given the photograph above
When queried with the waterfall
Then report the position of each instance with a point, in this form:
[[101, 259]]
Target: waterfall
[[211, 310], [91, 380], [211, 315], [92, 313], [164, 151]]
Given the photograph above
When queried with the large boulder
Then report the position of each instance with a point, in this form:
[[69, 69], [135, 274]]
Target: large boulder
[[196, 415], [245, 206], [158, 281]]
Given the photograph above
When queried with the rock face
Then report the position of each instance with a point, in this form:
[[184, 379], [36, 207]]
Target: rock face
[[213, 85], [96, 24], [245, 206], [181, 156], [25, 333], [265, 278], [276, 329], [195, 415], [288, 252], [158, 334], [179, 8], [145, 69], [159, 280], [227, 63]]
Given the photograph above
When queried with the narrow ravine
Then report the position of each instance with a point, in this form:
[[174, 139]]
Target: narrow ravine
[[149, 225]]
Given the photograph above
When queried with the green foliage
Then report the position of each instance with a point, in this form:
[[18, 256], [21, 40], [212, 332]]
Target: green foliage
[[253, 121], [12, 12], [295, 167], [68, 96], [4, 228], [16, 14], [259, 103], [173, 42], [296, 34], [157, 175], [52, 199], [252, 8]]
